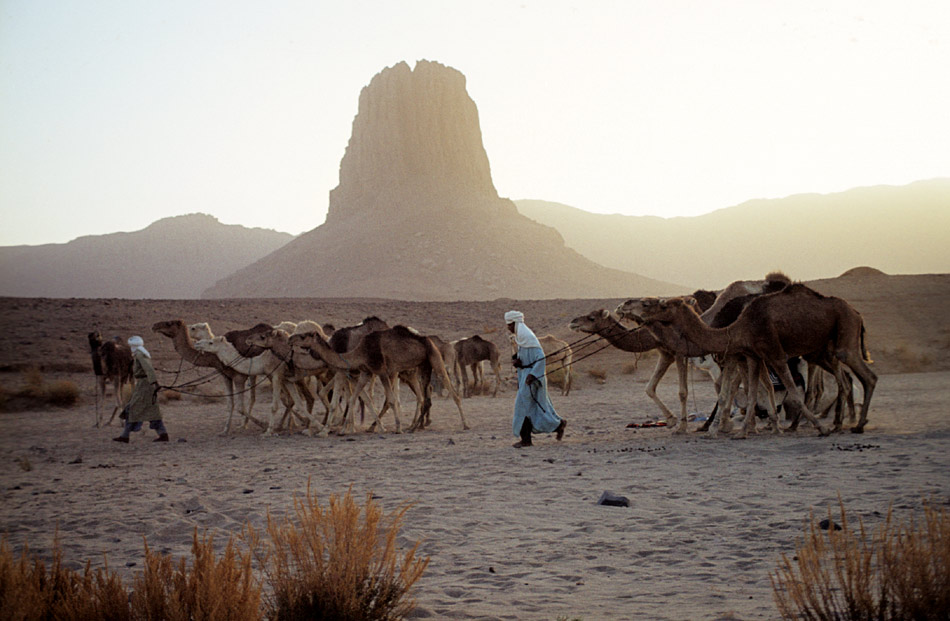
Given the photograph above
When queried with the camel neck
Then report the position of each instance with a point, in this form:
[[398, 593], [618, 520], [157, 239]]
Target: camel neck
[[636, 340]]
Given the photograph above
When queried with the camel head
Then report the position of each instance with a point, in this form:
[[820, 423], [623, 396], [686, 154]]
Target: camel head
[[199, 331], [304, 342], [633, 308], [657, 310], [169, 328], [210, 345], [593, 321], [267, 339]]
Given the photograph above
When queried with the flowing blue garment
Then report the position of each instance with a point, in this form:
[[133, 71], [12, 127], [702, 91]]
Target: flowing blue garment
[[533, 401]]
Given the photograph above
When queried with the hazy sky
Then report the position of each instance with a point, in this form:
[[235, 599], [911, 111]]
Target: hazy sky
[[116, 114]]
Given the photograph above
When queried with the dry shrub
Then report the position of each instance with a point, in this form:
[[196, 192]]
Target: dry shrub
[[209, 589], [901, 572], [62, 393], [336, 562], [600, 375], [34, 384], [29, 591], [628, 368]]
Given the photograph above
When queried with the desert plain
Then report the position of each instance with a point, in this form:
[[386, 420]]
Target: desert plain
[[511, 534]]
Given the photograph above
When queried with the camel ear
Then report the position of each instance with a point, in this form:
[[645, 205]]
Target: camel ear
[[604, 313], [691, 301]]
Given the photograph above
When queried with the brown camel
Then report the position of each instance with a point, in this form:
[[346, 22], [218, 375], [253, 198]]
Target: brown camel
[[385, 354], [469, 354], [796, 321], [111, 362], [639, 340], [300, 367], [177, 331]]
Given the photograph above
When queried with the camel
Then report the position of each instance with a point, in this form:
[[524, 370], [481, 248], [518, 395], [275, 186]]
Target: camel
[[384, 354], [300, 366], [269, 365], [470, 353], [178, 332], [796, 321], [640, 340], [111, 361], [558, 361]]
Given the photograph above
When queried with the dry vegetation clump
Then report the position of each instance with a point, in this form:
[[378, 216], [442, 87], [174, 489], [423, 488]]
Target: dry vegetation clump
[[336, 562], [36, 392], [28, 590], [210, 589], [599, 375], [901, 572]]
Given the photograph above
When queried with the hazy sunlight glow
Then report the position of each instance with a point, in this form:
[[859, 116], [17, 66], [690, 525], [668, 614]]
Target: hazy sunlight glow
[[114, 114]]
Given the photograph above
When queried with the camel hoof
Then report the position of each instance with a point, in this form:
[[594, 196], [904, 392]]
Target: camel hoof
[[857, 430], [823, 431], [682, 429]]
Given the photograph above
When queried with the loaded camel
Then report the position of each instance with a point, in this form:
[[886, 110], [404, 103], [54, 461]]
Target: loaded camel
[[469, 354], [178, 332], [111, 362], [384, 355], [796, 321]]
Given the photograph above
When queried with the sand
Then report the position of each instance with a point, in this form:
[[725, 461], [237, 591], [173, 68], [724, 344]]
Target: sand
[[512, 534]]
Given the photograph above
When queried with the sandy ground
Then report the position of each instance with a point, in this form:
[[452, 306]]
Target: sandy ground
[[512, 534]]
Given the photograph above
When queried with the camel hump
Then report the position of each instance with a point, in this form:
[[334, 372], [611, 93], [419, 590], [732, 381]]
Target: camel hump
[[778, 277], [404, 331]]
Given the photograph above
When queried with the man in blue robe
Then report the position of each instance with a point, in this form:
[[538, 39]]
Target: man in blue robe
[[533, 409]]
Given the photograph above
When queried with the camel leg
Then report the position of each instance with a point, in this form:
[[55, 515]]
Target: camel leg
[[496, 367], [795, 399], [662, 364], [868, 380], [314, 427], [731, 378], [465, 392], [100, 397], [681, 370]]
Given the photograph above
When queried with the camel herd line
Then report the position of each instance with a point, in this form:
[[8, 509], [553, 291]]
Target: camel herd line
[[763, 336]]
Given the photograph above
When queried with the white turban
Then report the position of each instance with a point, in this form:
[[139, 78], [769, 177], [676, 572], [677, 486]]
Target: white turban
[[137, 344], [514, 317]]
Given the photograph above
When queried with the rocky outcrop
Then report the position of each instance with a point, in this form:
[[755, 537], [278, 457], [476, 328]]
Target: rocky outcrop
[[417, 217]]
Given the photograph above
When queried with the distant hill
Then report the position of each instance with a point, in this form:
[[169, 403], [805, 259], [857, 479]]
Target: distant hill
[[901, 230], [173, 258], [416, 215]]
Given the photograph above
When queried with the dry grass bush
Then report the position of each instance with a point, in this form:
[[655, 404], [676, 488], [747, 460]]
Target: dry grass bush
[[336, 562], [29, 591], [629, 368], [901, 572], [36, 392], [599, 375], [210, 589], [62, 393]]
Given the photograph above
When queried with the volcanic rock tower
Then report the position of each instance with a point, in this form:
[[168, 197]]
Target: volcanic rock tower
[[417, 217]]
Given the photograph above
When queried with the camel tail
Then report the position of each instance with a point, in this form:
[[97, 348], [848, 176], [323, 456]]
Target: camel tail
[[864, 349]]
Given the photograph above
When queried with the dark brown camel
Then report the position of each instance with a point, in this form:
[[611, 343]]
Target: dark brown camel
[[111, 363], [470, 353], [796, 321]]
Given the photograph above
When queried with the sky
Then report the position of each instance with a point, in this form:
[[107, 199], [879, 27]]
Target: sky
[[114, 114]]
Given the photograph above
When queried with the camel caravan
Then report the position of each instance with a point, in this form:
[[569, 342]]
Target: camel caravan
[[767, 345], [751, 335]]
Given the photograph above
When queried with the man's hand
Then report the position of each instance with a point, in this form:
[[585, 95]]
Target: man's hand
[[530, 380]]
